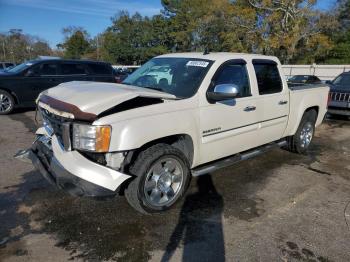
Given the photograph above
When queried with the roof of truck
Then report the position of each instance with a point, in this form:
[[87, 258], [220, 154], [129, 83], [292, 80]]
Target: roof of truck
[[220, 56]]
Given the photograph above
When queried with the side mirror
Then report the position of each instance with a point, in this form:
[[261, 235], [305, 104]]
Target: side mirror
[[223, 92], [328, 82]]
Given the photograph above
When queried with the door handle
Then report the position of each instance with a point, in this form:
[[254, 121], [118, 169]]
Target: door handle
[[249, 108], [283, 102]]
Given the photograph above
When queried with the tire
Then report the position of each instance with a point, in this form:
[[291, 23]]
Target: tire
[[300, 142], [7, 103], [146, 192]]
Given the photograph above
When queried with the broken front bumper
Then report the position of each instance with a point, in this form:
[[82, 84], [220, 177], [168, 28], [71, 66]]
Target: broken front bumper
[[70, 171]]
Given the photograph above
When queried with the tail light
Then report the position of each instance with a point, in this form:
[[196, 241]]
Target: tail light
[[329, 98], [118, 79]]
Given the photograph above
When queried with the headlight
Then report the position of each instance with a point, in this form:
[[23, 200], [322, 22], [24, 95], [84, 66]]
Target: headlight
[[91, 138]]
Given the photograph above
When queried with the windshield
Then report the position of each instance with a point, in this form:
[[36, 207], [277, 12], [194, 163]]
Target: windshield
[[19, 67], [342, 80], [178, 76], [298, 78]]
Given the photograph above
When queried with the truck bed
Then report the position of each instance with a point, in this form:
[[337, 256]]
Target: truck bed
[[295, 87]]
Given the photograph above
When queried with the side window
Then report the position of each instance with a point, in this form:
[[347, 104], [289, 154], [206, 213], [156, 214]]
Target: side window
[[269, 79], [100, 69], [73, 69], [47, 69], [234, 74]]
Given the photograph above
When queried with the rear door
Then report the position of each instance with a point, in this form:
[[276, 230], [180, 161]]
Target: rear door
[[230, 126], [100, 72], [272, 101], [73, 71]]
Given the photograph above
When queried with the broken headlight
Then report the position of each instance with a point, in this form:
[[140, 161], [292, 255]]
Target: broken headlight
[[91, 138]]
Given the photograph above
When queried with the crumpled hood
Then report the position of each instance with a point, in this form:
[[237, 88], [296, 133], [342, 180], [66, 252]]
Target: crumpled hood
[[96, 97]]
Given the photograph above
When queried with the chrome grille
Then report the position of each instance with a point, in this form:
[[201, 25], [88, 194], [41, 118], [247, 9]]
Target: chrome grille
[[55, 122], [340, 97]]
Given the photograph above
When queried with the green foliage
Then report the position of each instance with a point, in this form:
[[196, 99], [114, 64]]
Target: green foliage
[[15, 46], [340, 53], [134, 39], [76, 44]]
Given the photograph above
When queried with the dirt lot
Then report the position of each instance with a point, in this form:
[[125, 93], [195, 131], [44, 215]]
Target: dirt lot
[[277, 207]]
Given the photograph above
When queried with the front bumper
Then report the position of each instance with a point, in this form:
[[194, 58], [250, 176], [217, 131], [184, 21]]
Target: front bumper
[[70, 171], [339, 111]]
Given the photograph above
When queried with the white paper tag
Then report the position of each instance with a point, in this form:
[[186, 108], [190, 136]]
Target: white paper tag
[[197, 63]]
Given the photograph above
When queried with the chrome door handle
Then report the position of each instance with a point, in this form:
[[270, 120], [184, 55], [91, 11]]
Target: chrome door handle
[[283, 102], [249, 108]]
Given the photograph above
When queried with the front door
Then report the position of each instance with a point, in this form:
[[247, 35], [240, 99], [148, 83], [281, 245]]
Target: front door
[[43, 76], [229, 127]]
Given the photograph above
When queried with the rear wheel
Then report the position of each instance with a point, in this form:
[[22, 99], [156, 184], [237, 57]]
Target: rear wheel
[[6, 103], [300, 142], [161, 177]]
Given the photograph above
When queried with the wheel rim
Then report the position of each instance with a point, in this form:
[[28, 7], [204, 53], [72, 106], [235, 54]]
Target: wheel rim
[[163, 182], [306, 135], [5, 103]]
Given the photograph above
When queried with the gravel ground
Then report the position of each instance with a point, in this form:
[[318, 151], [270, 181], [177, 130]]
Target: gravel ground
[[277, 207]]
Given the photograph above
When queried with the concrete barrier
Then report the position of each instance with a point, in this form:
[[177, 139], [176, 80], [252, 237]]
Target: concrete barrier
[[324, 72]]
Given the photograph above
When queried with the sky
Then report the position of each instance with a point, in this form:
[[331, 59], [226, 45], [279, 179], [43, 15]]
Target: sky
[[46, 18]]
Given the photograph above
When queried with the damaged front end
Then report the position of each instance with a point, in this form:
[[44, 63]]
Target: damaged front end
[[79, 172]]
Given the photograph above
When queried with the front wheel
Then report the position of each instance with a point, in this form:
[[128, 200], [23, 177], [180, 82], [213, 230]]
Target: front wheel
[[162, 175], [7, 103], [300, 142]]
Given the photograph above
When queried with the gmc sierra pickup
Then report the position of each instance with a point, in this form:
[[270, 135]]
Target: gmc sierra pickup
[[177, 116]]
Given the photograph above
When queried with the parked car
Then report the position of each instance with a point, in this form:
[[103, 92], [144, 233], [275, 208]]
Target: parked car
[[21, 85], [340, 95], [121, 73], [149, 138], [6, 65], [304, 79]]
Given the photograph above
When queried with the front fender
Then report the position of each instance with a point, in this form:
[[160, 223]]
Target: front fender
[[134, 133]]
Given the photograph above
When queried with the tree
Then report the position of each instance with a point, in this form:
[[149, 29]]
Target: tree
[[134, 39], [76, 43], [18, 47], [340, 53]]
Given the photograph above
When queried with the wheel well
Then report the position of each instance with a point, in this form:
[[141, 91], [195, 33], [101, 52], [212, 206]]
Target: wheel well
[[315, 108], [182, 142], [11, 93]]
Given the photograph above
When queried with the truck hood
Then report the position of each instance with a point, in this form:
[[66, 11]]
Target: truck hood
[[95, 98]]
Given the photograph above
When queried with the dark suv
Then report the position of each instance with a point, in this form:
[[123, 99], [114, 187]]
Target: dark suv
[[20, 85], [340, 95]]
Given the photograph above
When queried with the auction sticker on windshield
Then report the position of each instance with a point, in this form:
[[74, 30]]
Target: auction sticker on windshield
[[197, 63]]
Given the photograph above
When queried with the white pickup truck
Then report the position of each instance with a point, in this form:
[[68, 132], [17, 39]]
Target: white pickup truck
[[177, 116]]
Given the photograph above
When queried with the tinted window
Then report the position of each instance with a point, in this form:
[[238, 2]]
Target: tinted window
[[234, 74], [73, 69], [8, 64], [102, 69], [268, 77], [342, 80], [47, 69]]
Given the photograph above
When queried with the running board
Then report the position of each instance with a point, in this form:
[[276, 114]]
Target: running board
[[228, 161]]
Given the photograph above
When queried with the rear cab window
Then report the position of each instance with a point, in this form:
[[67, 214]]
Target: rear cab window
[[267, 76]]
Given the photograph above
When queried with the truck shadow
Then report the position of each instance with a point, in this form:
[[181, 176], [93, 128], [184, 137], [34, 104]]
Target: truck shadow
[[111, 230], [201, 211]]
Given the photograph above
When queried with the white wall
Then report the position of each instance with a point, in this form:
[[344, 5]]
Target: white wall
[[324, 72]]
